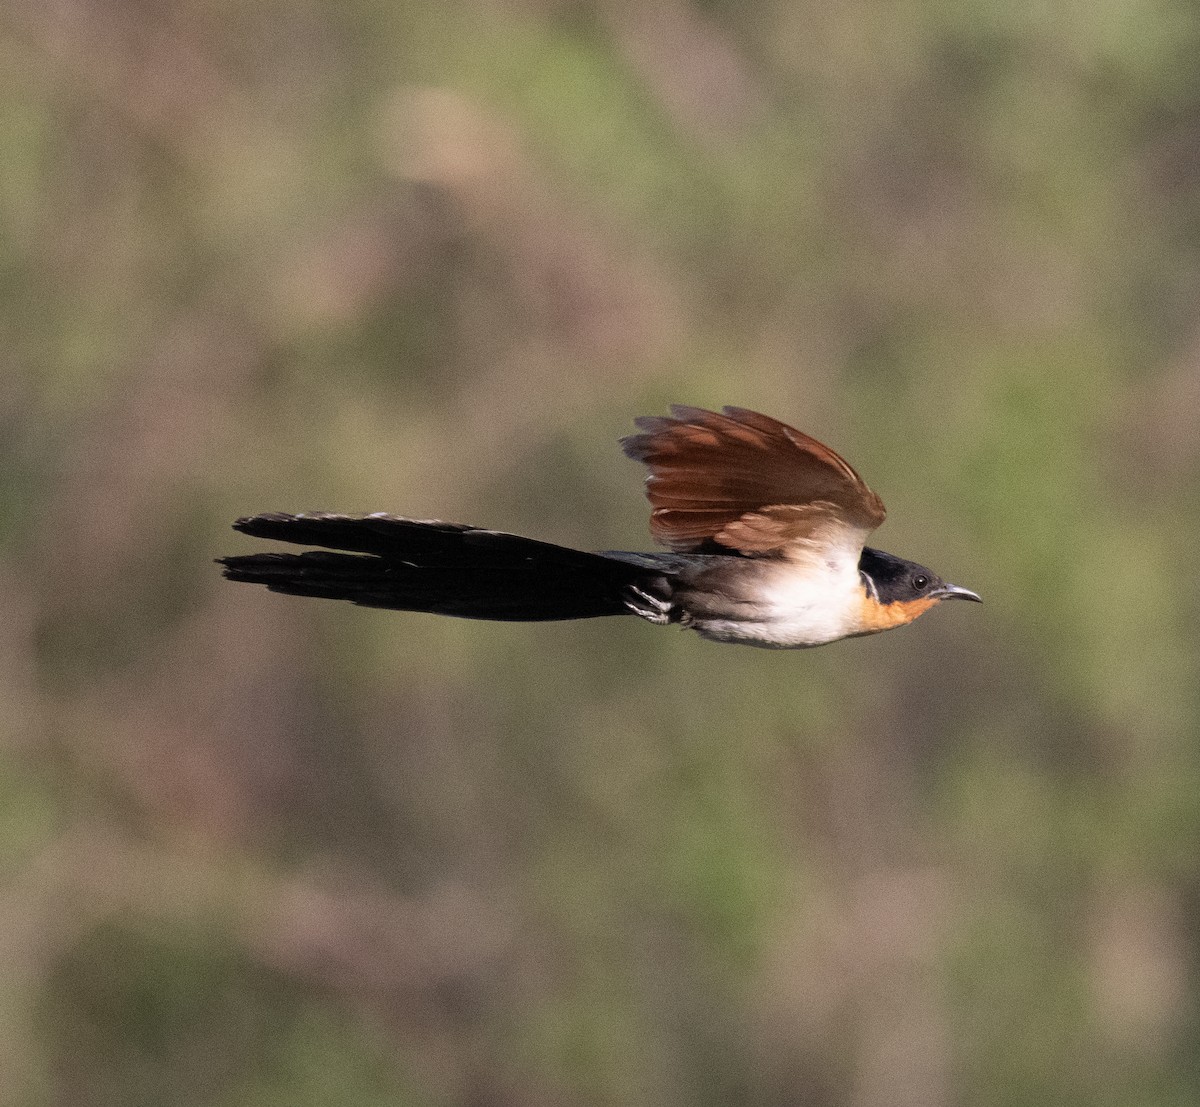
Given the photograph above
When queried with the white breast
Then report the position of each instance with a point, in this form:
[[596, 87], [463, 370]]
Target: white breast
[[784, 605]]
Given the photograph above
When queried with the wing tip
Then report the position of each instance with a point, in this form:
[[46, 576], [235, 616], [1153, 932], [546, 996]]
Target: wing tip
[[636, 446], [687, 413]]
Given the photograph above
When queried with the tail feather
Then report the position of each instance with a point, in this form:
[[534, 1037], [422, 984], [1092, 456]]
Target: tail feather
[[446, 568]]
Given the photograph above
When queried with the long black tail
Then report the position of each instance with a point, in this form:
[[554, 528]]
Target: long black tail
[[447, 568]]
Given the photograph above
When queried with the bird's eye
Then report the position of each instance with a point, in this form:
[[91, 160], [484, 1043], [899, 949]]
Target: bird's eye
[[920, 581]]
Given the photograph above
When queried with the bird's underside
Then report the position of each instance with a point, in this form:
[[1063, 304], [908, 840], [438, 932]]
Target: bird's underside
[[766, 526]]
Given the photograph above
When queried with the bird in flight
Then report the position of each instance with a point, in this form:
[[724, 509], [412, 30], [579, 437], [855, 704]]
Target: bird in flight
[[766, 526]]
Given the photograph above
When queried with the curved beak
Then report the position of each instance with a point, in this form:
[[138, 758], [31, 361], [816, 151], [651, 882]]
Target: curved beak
[[953, 592]]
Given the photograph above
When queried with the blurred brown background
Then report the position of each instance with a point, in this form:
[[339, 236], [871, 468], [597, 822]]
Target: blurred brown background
[[433, 258]]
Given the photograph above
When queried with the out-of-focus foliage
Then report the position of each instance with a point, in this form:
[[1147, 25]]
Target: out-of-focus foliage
[[432, 258]]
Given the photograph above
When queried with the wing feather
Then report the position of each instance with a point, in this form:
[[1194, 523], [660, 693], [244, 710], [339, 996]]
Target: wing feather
[[749, 483]]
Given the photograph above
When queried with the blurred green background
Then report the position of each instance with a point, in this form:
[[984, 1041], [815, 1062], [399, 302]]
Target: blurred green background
[[432, 259]]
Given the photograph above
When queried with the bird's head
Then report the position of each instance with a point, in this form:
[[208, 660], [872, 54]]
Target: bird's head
[[899, 591]]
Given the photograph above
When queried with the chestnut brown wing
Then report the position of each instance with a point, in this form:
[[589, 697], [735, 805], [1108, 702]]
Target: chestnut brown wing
[[749, 483]]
